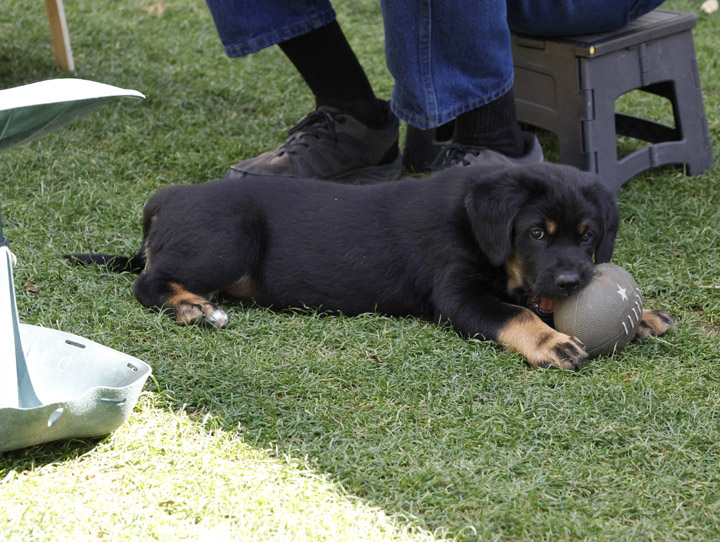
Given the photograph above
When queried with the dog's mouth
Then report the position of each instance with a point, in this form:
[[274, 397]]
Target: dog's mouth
[[542, 306]]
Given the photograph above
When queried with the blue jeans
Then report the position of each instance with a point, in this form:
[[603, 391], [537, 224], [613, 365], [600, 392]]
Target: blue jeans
[[446, 56]]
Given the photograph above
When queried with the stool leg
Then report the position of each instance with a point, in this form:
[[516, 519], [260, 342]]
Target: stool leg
[[690, 119]]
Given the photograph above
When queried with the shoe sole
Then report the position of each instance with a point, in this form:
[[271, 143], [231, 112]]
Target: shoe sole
[[373, 174], [367, 175]]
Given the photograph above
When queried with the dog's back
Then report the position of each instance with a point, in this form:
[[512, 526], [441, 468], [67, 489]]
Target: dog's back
[[303, 242]]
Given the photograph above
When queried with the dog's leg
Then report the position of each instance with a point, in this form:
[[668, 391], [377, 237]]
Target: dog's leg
[[154, 291], [520, 329], [655, 323], [542, 346]]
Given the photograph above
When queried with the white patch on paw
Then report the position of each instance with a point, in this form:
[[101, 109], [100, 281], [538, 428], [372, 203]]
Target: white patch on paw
[[218, 318]]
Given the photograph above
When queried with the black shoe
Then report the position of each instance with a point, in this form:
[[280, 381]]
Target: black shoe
[[456, 155], [333, 145]]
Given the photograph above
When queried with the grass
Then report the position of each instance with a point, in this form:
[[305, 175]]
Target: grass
[[303, 426]]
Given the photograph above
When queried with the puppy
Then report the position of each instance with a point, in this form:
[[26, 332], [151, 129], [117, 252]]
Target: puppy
[[487, 250]]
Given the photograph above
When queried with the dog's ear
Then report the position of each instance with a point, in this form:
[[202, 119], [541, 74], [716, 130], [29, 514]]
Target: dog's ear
[[605, 203], [611, 223], [491, 206]]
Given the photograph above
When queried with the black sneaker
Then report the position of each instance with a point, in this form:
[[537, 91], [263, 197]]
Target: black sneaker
[[456, 155], [333, 145]]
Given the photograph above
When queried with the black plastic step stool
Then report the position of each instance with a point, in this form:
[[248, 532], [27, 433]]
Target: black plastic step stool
[[569, 86]]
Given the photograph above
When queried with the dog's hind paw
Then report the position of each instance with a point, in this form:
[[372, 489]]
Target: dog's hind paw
[[218, 318], [206, 314]]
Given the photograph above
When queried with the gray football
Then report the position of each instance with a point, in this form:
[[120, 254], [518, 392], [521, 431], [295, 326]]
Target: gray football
[[606, 314]]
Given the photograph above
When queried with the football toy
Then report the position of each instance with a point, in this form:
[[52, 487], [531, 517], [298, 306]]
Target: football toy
[[606, 314]]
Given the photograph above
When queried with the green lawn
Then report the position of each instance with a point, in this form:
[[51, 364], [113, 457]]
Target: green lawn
[[303, 426]]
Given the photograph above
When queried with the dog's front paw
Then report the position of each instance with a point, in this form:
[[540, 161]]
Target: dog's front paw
[[542, 346], [655, 323], [559, 352]]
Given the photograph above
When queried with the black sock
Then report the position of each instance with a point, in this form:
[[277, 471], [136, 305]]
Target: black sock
[[330, 68], [493, 125]]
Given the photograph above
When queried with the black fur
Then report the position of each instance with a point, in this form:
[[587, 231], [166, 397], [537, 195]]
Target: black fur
[[456, 247]]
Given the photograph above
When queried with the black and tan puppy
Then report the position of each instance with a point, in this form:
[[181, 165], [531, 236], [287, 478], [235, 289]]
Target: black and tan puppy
[[486, 250]]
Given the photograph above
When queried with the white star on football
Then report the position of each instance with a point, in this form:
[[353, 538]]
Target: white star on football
[[622, 291]]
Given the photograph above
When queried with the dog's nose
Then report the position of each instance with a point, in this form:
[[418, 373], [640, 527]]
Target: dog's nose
[[568, 281]]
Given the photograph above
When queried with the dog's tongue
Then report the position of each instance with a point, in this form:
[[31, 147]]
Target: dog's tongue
[[546, 304]]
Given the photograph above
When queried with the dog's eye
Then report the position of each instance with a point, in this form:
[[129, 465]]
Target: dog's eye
[[537, 233], [587, 237]]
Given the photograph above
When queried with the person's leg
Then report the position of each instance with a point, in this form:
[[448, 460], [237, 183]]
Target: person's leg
[[251, 25], [452, 60], [351, 135], [452, 56], [493, 125], [447, 57], [330, 68]]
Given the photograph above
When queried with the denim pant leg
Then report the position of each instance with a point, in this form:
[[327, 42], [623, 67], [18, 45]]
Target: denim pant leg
[[451, 56], [446, 56], [246, 26]]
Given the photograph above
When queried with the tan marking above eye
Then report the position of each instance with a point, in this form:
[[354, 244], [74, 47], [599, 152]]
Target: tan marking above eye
[[551, 226], [582, 227]]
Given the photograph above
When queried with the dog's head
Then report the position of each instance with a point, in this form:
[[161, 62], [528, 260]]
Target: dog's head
[[544, 223]]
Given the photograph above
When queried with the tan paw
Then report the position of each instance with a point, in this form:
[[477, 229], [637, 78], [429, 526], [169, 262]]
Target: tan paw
[[542, 346], [655, 323], [559, 352], [200, 314], [193, 309]]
